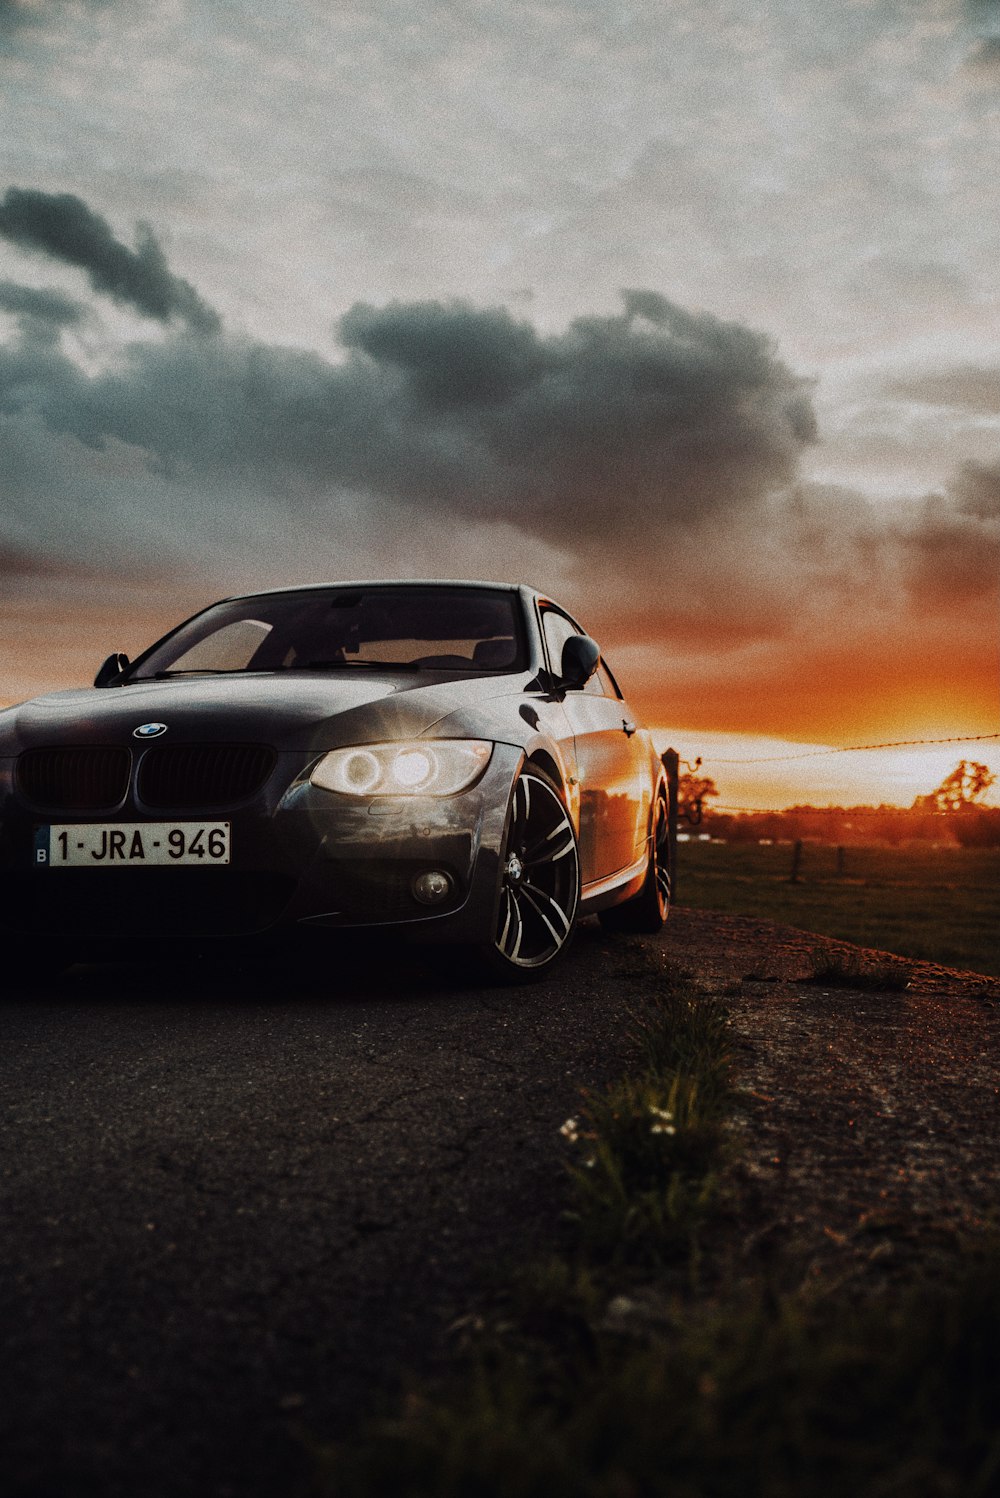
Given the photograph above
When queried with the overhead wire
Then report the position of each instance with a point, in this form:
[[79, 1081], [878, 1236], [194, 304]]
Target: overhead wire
[[771, 759]]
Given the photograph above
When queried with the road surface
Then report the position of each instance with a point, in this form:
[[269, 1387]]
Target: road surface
[[237, 1201]]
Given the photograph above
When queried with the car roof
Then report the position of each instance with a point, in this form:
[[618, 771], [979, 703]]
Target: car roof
[[395, 582]]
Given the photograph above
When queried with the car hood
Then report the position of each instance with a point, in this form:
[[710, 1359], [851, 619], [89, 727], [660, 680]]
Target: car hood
[[289, 712]]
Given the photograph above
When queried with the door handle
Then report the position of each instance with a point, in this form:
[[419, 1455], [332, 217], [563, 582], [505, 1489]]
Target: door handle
[[628, 727]]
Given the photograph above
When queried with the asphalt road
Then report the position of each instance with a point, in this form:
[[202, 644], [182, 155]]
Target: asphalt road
[[237, 1201]]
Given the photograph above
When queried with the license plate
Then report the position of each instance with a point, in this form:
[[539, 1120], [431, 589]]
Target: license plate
[[130, 845]]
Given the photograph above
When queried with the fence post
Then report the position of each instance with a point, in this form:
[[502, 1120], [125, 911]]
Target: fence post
[[672, 765], [793, 877]]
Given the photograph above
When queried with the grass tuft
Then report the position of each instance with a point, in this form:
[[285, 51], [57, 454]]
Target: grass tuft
[[850, 970], [648, 1147], [754, 1399]]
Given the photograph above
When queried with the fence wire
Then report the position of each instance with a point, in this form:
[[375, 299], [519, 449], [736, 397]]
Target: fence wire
[[839, 811]]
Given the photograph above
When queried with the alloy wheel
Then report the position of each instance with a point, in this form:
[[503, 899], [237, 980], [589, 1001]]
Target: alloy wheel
[[540, 877]]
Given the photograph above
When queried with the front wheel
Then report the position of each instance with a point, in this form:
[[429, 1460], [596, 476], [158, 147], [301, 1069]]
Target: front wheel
[[539, 883], [646, 912]]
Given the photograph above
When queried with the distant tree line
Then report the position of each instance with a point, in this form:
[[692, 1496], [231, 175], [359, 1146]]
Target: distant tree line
[[953, 812]]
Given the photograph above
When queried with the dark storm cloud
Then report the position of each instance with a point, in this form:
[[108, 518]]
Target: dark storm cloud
[[652, 412], [617, 429], [452, 354], [62, 226], [40, 307]]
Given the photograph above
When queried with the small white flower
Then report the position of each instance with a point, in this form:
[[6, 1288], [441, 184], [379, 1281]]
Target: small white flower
[[663, 1129], [663, 1113], [569, 1130], [589, 1164]]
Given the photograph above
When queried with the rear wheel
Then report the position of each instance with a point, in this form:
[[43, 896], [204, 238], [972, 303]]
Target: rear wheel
[[539, 882], [646, 912]]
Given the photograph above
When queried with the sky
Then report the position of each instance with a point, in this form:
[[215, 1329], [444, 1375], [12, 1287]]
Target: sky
[[686, 313]]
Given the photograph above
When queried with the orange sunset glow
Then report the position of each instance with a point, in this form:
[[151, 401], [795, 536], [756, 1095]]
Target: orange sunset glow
[[766, 741]]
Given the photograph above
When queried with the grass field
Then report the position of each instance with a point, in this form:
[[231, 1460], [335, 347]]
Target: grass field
[[940, 904]]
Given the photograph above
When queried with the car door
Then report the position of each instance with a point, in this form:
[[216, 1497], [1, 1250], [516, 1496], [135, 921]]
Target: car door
[[612, 763]]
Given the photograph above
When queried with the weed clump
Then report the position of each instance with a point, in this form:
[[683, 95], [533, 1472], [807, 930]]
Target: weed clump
[[754, 1398], [850, 970], [649, 1146]]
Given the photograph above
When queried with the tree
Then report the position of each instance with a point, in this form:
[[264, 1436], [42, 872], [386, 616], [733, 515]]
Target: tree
[[960, 791], [693, 792]]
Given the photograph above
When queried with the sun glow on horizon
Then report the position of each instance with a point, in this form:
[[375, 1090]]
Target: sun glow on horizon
[[773, 773]]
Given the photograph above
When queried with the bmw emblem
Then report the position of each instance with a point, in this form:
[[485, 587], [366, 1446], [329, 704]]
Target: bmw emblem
[[149, 730]]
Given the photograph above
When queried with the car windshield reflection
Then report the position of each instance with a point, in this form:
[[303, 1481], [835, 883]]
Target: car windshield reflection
[[475, 631]]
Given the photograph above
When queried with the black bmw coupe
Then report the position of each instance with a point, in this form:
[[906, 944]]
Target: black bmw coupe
[[452, 759]]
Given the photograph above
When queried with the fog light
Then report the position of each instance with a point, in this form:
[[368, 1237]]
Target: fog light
[[431, 887]]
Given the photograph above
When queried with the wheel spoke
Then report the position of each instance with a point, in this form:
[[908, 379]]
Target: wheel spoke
[[534, 853], [536, 896], [518, 928], [502, 938], [661, 854]]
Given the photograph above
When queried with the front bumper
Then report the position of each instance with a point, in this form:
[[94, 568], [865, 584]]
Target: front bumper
[[301, 857]]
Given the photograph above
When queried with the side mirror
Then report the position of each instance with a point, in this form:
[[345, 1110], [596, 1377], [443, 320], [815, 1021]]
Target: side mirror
[[110, 673], [579, 661]]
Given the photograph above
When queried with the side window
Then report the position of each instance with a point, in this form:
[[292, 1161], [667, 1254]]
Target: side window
[[595, 686], [557, 630], [609, 686]]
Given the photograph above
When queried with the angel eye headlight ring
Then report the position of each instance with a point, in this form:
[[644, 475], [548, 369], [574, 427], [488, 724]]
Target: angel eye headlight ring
[[360, 772], [439, 767], [414, 769]]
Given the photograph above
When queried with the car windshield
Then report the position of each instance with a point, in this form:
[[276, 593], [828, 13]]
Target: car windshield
[[472, 630]]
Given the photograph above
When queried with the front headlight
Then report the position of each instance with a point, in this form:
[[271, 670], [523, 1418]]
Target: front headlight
[[420, 768]]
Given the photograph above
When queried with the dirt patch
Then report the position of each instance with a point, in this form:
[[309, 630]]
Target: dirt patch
[[867, 1119]]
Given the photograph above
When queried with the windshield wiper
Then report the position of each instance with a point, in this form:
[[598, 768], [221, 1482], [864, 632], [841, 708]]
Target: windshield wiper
[[194, 671]]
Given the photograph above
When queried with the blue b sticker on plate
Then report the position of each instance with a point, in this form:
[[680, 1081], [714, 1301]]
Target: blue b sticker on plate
[[41, 845]]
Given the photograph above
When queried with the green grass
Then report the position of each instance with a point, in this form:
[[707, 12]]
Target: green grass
[[649, 1145], [755, 1397], [939, 904]]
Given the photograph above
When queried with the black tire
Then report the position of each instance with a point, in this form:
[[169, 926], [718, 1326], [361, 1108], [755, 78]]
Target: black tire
[[646, 912], [539, 892]]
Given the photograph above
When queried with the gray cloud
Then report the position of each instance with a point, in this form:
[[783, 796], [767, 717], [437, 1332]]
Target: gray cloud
[[40, 307], [969, 387], [984, 23], [62, 226], [977, 490], [653, 416]]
